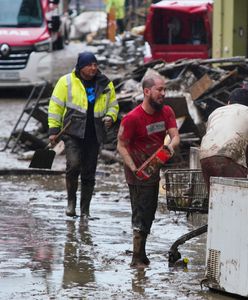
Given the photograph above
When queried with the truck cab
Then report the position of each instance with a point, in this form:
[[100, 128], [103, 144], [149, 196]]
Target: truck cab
[[179, 30], [29, 31]]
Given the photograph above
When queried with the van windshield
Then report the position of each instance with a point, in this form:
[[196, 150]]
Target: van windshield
[[171, 27], [20, 13]]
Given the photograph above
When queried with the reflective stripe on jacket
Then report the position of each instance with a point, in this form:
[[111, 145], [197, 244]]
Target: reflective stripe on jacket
[[69, 102]]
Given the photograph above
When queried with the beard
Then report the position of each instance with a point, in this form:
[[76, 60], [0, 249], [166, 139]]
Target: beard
[[156, 106]]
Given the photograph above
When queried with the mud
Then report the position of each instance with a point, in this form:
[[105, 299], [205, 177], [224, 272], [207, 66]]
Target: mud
[[46, 255]]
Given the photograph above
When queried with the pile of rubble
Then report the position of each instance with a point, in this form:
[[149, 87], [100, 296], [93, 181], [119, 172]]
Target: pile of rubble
[[125, 54], [194, 89]]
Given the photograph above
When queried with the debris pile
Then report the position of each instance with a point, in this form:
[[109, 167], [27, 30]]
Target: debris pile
[[126, 53], [194, 89]]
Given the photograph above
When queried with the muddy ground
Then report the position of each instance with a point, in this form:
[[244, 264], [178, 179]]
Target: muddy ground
[[46, 255]]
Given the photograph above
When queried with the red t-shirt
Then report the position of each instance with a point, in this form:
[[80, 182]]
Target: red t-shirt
[[144, 134]]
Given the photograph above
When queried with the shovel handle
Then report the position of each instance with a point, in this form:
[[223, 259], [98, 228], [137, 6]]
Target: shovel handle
[[60, 133], [62, 130]]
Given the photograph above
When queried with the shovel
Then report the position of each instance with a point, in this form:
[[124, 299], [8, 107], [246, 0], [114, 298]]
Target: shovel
[[43, 158]]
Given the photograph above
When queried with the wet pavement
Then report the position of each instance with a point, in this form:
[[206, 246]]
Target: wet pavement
[[46, 255]]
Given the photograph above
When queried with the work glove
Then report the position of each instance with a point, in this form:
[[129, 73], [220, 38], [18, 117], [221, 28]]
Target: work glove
[[108, 121]]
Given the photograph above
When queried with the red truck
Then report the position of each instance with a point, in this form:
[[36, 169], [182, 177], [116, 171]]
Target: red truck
[[179, 29], [29, 31]]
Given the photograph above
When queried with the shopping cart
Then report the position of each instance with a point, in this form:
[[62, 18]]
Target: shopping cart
[[185, 191]]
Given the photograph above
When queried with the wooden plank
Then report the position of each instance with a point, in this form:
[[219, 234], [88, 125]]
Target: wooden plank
[[200, 86]]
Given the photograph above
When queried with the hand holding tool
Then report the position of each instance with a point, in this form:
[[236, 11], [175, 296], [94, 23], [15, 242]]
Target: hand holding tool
[[153, 163], [43, 158]]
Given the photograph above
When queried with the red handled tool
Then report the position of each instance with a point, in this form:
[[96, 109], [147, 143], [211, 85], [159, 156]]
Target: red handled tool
[[153, 163]]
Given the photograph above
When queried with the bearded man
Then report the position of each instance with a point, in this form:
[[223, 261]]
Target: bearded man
[[141, 133]]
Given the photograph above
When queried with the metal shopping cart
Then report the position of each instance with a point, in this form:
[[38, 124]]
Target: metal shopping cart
[[186, 191]]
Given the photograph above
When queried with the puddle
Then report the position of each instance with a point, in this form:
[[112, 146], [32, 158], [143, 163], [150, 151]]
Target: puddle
[[46, 255]]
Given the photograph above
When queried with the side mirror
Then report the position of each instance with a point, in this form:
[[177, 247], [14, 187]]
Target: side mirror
[[54, 24]]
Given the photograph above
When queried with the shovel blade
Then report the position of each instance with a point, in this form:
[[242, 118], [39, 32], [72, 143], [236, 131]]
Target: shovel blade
[[42, 159]]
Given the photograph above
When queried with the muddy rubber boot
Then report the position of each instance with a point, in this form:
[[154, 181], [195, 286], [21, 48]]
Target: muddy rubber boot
[[71, 186], [71, 208], [145, 259], [86, 195], [138, 255]]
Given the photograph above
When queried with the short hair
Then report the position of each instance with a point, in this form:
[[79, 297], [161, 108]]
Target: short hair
[[239, 96], [149, 80]]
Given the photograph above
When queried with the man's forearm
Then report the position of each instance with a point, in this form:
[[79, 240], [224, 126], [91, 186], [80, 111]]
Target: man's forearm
[[127, 159], [175, 142]]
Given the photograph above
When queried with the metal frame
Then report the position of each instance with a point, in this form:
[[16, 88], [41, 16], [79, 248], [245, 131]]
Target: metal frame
[[185, 191], [32, 103]]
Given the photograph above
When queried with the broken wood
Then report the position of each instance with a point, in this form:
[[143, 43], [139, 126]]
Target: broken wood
[[200, 86]]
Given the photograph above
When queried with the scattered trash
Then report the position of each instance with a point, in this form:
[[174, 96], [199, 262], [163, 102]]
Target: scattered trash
[[194, 89]]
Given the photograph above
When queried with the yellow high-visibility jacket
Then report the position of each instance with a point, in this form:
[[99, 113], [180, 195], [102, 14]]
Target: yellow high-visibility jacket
[[69, 103], [118, 6]]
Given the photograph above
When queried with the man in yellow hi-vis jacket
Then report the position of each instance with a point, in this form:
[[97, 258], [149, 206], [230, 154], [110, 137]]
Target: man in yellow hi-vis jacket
[[118, 7], [85, 98]]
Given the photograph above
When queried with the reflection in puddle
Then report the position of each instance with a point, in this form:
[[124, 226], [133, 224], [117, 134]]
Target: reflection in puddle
[[139, 282], [46, 255], [78, 263]]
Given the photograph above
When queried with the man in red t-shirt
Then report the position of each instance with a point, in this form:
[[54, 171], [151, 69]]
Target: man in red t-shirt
[[142, 132]]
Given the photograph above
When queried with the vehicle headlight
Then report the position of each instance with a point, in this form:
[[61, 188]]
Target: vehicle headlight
[[45, 45]]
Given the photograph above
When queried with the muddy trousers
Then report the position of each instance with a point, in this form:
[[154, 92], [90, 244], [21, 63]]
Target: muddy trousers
[[81, 159], [220, 166], [144, 200]]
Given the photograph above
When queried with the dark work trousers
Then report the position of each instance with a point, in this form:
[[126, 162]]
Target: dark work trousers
[[120, 25], [144, 202], [81, 159], [219, 166]]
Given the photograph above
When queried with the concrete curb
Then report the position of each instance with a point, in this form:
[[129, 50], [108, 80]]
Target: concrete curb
[[30, 172]]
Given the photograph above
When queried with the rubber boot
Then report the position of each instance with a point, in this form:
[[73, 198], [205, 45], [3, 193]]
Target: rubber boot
[[71, 185], [144, 258], [86, 195], [138, 260]]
